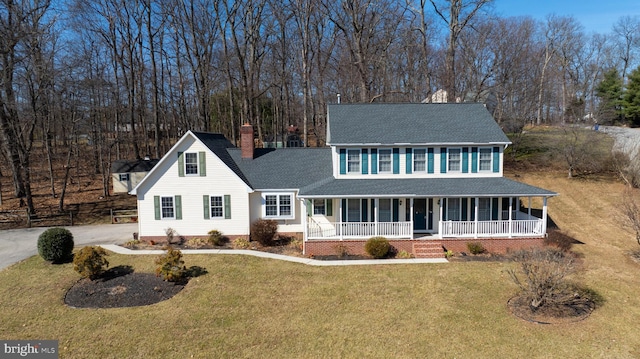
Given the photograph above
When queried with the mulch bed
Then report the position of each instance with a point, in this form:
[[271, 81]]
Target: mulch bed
[[561, 314], [121, 287]]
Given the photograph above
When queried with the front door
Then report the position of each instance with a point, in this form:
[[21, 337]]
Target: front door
[[420, 214]]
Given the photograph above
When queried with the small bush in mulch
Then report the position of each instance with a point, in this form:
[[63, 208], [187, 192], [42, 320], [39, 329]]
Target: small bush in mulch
[[377, 247], [264, 231], [171, 266], [476, 248], [90, 262]]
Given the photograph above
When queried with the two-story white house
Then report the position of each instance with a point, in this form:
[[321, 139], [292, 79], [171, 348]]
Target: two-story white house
[[413, 173]]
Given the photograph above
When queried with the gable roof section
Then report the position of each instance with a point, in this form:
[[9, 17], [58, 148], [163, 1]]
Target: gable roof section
[[130, 166], [425, 187], [412, 123], [285, 168], [218, 144]]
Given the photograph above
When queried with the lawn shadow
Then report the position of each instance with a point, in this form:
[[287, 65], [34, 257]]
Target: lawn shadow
[[115, 272]]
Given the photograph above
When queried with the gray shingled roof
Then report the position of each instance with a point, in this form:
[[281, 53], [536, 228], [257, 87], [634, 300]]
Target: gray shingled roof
[[219, 144], [432, 187], [285, 168], [130, 166], [412, 123]]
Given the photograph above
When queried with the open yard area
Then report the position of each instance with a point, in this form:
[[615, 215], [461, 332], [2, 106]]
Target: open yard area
[[247, 307]]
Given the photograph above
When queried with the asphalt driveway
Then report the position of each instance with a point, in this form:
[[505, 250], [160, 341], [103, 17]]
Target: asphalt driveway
[[19, 244]]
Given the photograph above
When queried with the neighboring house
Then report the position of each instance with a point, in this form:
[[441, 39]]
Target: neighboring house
[[126, 174], [414, 173]]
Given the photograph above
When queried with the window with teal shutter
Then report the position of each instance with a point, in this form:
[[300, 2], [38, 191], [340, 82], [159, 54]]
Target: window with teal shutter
[[409, 160], [364, 209], [343, 161], [396, 161], [464, 209], [329, 208], [474, 159], [205, 206], [465, 159], [396, 209], [365, 161], [309, 207], [494, 209], [374, 161], [227, 206], [443, 160], [496, 159], [430, 160], [178, 204], [344, 210]]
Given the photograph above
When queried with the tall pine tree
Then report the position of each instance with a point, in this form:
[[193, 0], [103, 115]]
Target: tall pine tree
[[610, 93], [631, 99]]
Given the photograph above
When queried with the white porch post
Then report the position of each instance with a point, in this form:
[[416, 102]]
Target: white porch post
[[375, 203], [544, 215], [475, 218], [510, 217], [305, 231], [340, 209], [441, 200], [411, 216]]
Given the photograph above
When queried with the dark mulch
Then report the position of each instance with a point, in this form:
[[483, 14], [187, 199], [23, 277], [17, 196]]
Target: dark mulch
[[121, 287], [558, 314]]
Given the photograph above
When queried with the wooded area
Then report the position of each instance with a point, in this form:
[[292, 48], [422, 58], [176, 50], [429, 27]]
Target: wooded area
[[112, 79]]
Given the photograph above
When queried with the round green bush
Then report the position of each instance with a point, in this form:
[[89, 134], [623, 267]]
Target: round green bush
[[56, 245], [377, 247]]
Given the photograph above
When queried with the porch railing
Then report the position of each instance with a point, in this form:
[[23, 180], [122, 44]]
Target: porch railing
[[317, 230], [516, 228]]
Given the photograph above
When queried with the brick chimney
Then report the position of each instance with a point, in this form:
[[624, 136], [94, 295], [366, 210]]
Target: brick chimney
[[246, 141]]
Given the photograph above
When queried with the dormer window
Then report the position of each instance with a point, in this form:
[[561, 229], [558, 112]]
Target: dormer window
[[454, 160], [353, 161], [485, 160], [419, 160]]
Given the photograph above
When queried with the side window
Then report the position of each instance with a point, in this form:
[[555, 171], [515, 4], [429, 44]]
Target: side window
[[191, 163], [217, 207], [123, 177], [167, 210]]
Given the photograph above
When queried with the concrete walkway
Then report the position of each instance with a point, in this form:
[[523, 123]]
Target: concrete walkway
[[307, 261], [19, 244]]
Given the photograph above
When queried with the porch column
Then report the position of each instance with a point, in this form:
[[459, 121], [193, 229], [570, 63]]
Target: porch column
[[375, 215], [475, 218], [340, 209], [544, 215], [305, 230], [510, 217], [411, 215], [441, 204]]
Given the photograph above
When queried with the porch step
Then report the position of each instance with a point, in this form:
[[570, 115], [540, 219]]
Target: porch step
[[428, 249]]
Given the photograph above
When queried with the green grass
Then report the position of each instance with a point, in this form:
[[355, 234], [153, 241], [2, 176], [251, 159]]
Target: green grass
[[253, 307]]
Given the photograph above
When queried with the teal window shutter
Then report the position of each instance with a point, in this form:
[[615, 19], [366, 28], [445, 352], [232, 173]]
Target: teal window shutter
[[205, 206], [364, 210], [496, 159], [372, 215], [444, 208], [464, 209], [443, 160], [344, 210], [396, 161], [474, 159], [156, 206], [409, 160], [343, 161], [374, 161], [227, 206], [494, 209], [365, 161], [178, 204], [430, 160], [202, 159], [465, 159], [329, 207], [309, 207], [396, 209], [473, 209], [180, 164]]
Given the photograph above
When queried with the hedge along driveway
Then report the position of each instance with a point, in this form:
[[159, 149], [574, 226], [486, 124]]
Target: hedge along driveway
[[19, 244]]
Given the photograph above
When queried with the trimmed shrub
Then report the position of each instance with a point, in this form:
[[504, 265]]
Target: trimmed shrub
[[241, 243], [475, 248], [197, 242], [264, 231], [377, 247], [171, 266], [90, 262], [402, 254], [216, 238], [56, 245]]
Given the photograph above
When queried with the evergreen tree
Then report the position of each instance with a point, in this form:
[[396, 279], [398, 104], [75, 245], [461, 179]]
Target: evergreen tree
[[610, 93], [631, 100]]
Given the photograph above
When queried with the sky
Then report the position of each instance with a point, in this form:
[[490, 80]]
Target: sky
[[594, 15]]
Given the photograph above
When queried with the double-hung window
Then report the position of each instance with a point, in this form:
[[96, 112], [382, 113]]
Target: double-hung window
[[353, 161], [278, 205], [384, 210], [319, 207], [419, 160], [484, 159], [353, 210], [454, 209], [454, 160], [384, 161], [123, 177], [217, 206], [167, 208], [191, 163], [484, 209]]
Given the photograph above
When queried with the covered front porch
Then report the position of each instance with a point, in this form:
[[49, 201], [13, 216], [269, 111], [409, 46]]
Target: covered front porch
[[424, 218]]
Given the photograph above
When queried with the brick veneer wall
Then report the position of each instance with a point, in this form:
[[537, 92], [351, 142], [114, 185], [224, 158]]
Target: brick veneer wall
[[356, 247]]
